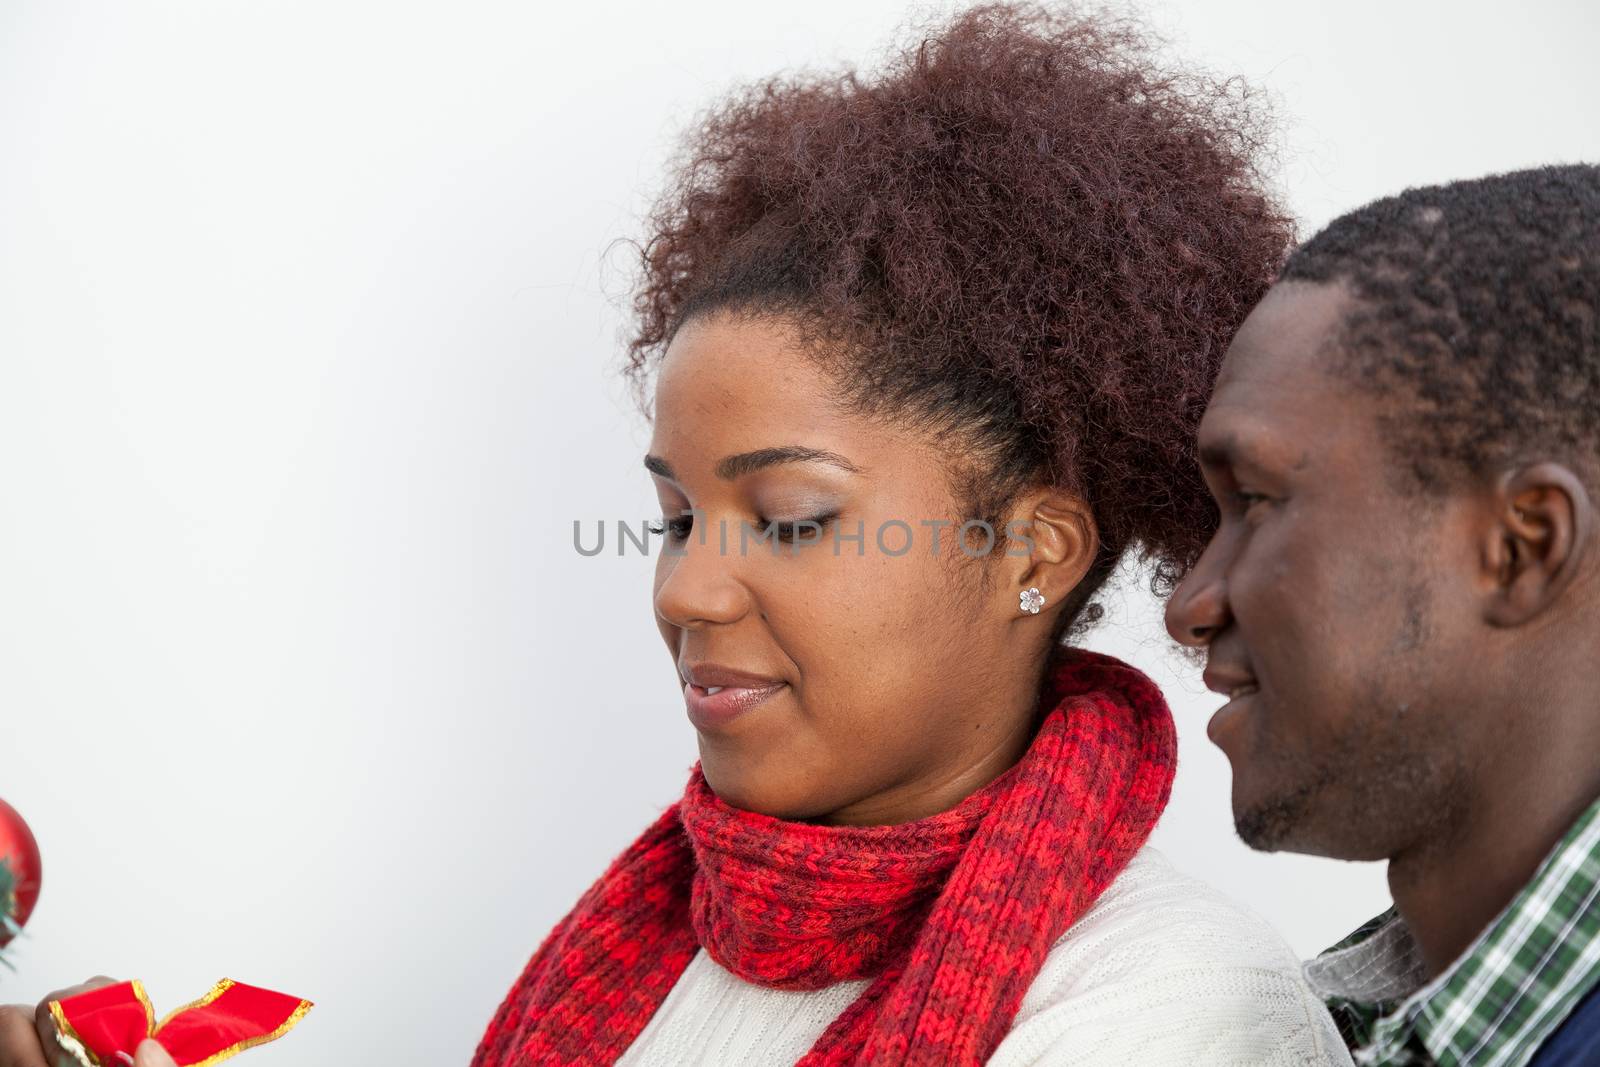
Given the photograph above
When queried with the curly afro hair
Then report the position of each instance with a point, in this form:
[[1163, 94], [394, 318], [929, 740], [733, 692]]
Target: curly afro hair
[[1024, 234], [1478, 305]]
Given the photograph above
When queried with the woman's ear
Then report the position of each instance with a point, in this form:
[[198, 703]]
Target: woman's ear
[[1052, 543], [1536, 542]]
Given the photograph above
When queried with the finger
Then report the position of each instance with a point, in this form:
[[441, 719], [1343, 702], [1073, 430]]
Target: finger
[[151, 1054], [46, 1025], [19, 1041]]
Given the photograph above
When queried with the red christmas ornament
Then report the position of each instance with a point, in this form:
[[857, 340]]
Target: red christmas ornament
[[20, 872]]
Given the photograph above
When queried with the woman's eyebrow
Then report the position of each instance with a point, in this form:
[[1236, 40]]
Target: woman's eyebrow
[[742, 463]]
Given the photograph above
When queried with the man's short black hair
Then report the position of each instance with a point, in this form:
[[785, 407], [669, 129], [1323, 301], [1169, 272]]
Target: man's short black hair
[[1479, 307]]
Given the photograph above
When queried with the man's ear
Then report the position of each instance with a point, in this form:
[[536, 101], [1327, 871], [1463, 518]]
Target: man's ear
[[1537, 541], [1052, 542]]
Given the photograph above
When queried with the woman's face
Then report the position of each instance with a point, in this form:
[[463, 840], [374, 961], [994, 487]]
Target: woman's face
[[871, 685]]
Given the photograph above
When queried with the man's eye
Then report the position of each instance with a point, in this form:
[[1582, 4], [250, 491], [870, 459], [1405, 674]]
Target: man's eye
[[1246, 500]]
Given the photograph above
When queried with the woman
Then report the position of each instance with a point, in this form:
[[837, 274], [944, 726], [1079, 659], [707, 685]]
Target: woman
[[986, 289]]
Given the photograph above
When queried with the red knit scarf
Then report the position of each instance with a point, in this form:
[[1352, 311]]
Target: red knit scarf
[[951, 915]]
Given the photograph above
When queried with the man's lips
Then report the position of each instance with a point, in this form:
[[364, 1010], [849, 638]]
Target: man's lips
[[1226, 718], [715, 696], [1238, 685], [1231, 682]]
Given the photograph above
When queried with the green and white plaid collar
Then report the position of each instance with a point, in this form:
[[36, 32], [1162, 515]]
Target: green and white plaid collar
[[1499, 1001]]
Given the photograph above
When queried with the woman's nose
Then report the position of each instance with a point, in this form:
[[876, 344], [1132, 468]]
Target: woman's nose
[[697, 586]]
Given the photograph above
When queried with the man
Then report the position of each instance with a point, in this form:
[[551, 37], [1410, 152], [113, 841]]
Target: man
[[1402, 602]]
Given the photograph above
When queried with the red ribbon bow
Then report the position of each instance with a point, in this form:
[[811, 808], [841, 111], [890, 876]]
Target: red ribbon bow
[[103, 1026]]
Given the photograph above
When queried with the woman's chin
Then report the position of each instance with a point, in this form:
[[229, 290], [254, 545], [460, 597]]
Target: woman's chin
[[743, 785]]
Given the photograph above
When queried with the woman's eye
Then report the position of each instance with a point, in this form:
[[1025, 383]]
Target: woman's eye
[[677, 527], [1247, 500], [791, 530]]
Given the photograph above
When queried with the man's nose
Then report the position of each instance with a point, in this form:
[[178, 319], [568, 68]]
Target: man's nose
[[1198, 609]]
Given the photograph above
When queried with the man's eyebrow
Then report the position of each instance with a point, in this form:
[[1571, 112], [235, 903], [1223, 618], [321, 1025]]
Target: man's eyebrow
[[1218, 453], [1243, 448], [742, 463]]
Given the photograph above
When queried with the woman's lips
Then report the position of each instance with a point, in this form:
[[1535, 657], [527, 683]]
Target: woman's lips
[[713, 710]]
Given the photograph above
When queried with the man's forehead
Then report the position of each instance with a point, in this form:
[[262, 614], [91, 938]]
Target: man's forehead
[[1274, 387], [1289, 339]]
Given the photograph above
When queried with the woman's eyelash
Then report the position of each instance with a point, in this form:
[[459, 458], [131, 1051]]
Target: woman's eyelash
[[678, 528], [789, 531]]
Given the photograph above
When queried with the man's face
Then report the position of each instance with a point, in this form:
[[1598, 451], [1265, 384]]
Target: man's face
[[1335, 605]]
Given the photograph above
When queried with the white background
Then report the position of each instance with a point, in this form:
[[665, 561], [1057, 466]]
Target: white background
[[306, 337]]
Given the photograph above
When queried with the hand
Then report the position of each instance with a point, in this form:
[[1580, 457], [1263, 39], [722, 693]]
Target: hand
[[28, 1035]]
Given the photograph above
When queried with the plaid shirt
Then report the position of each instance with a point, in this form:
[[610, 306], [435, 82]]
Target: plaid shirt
[[1499, 1001]]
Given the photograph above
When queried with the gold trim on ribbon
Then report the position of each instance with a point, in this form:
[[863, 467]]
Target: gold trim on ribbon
[[251, 1042], [216, 991], [149, 1009], [69, 1040]]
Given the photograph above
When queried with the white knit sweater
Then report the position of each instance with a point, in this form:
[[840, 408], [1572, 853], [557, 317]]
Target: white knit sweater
[[1163, 971]]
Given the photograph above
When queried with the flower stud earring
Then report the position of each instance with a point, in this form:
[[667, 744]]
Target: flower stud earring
[[1031, 600]]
